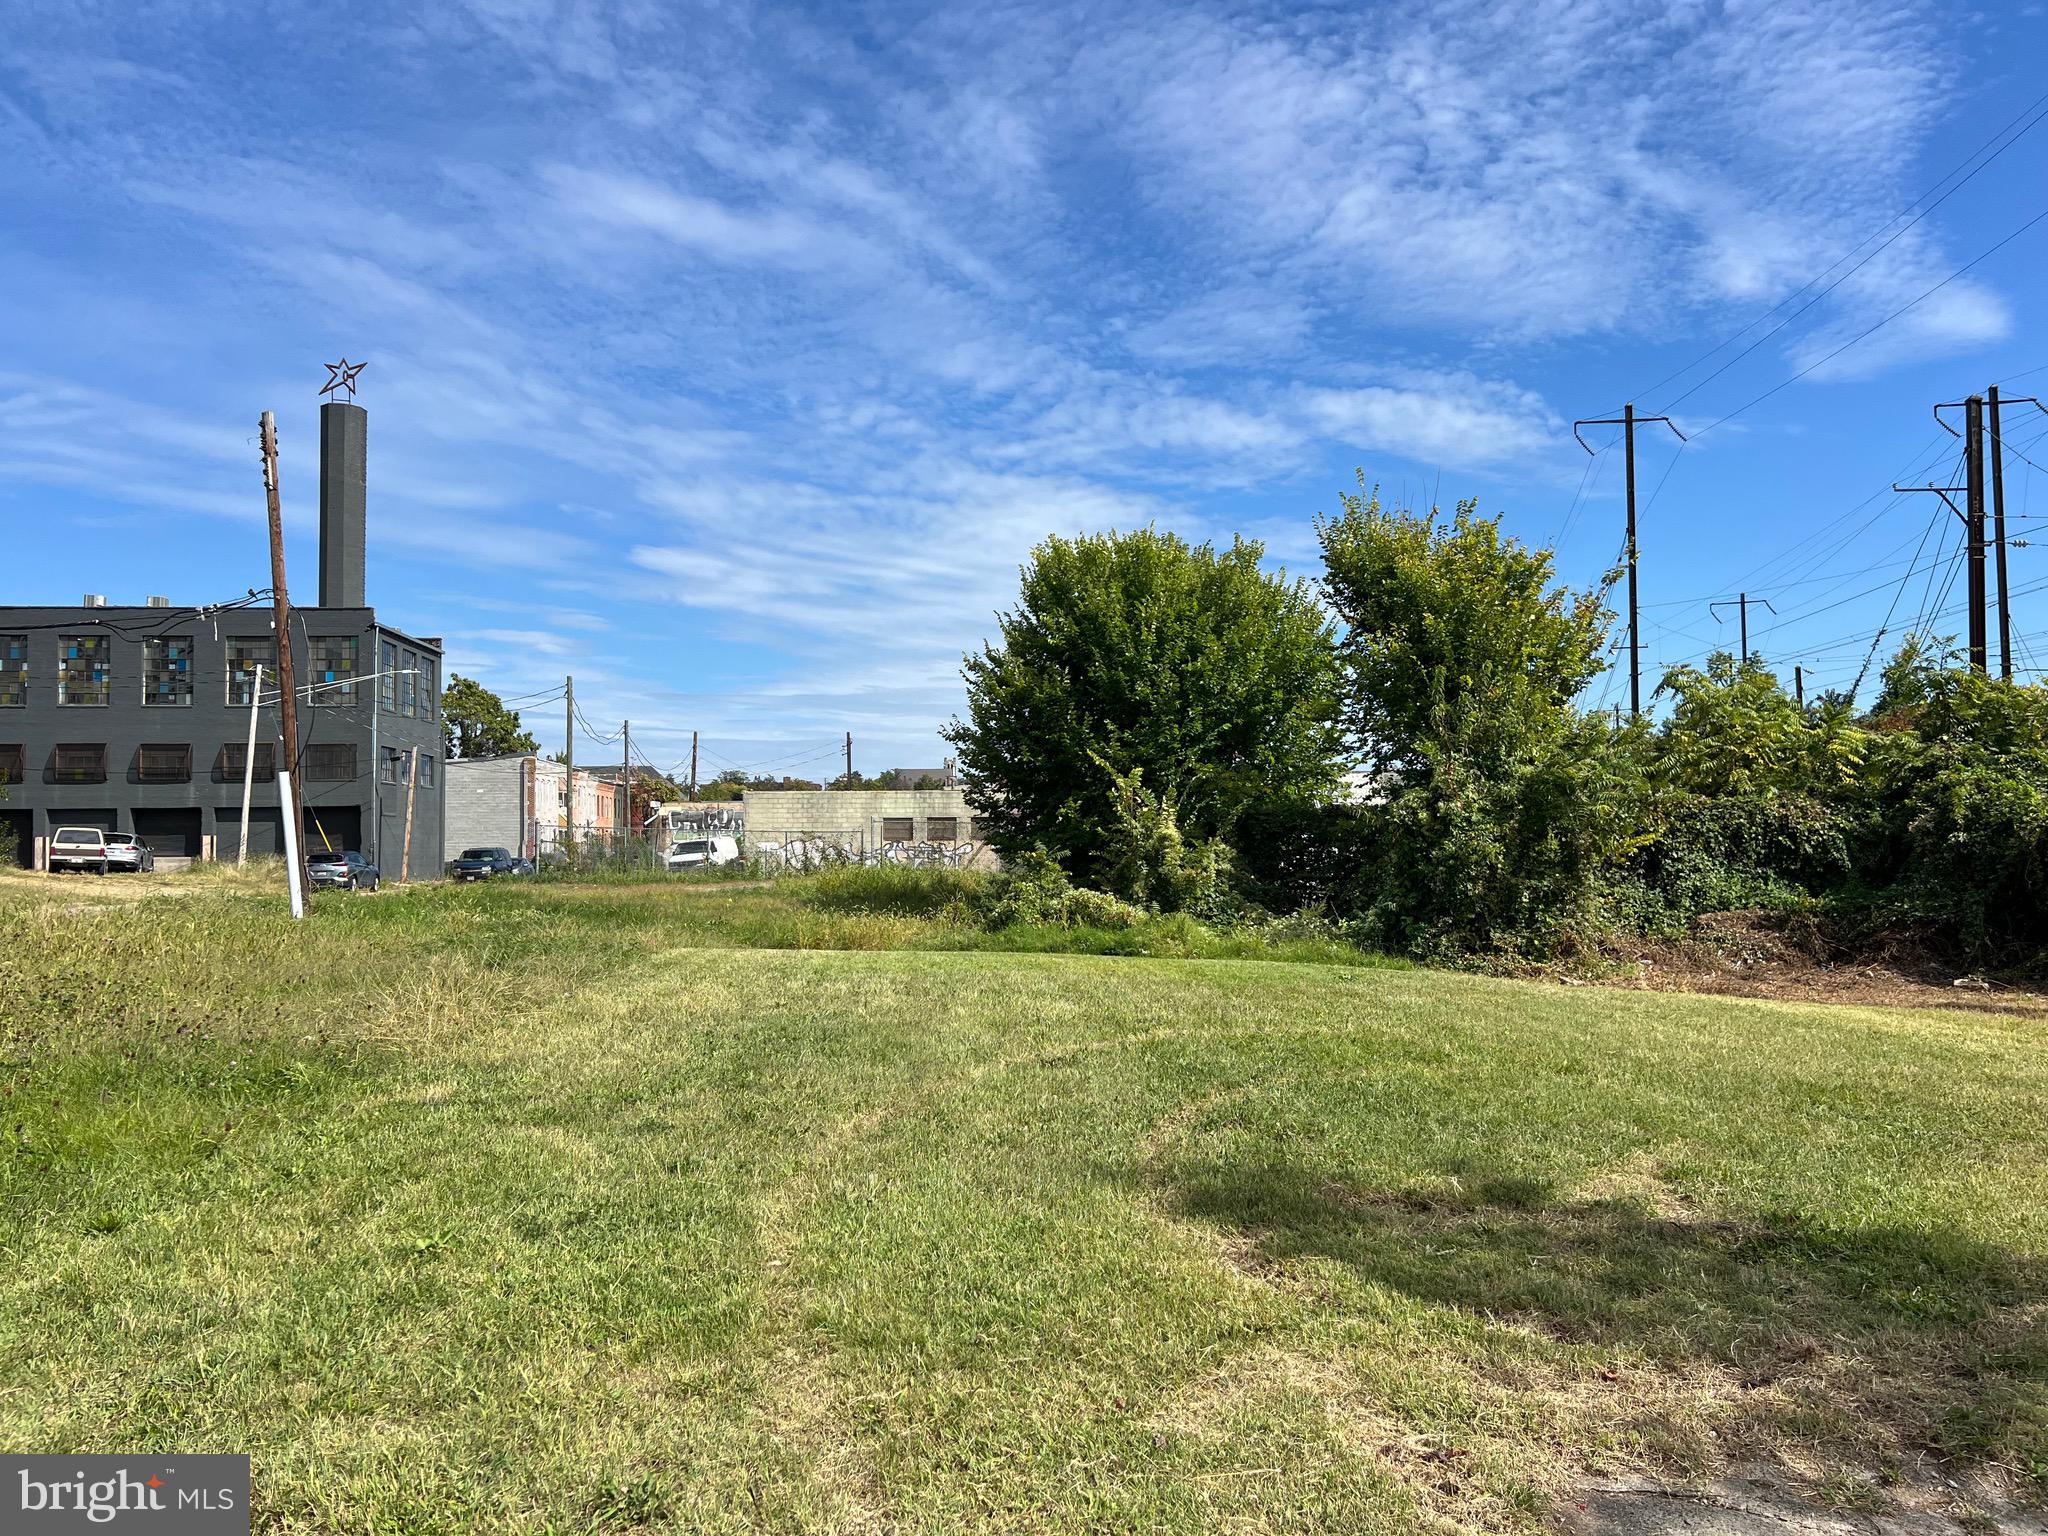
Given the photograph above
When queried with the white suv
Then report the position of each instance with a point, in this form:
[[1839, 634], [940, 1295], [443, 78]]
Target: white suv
[[78, 848]]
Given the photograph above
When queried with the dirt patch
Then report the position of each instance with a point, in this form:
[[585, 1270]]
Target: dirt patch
[[1760, 1501], [1788, 957]]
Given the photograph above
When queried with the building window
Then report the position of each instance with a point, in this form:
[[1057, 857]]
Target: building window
[[978, 829], [245, 654], [897, 829], [408, 683], [13, 671], [234, 757], [79, 762], [942, 829], [167, 670], [13, 764], [334, 669], [430, 696], [164, 762], [394, 766], [331, 762], [82, 670], [387, 676], [427, 768]]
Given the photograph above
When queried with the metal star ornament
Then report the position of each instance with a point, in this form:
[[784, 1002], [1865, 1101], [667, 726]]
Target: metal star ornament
[[342, 375]]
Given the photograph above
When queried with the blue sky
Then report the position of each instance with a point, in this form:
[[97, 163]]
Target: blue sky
[[732, 357]]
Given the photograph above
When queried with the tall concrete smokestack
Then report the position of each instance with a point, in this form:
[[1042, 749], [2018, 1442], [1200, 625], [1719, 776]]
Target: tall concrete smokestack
[[344, 449]]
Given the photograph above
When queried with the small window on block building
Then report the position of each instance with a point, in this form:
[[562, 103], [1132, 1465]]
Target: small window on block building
[[331, 762], [162, 762], [234, 758], [167, 670], [898, 829], [82, 675], [13, 671], [942, 829], [979, 829], [79, 762], [334, 661], [245, 654]]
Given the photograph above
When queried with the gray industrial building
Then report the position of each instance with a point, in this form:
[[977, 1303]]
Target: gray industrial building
[[135, 718]]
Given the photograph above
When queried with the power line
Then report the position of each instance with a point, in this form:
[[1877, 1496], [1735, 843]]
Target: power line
[[2037, 102], [1880, 325]]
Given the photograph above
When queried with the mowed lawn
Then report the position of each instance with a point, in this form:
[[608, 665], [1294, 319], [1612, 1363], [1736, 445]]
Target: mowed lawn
[[575, 1210]]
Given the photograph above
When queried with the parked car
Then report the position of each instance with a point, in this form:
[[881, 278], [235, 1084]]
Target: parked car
[[488, 863], [342, 870], [693, 852], [78, 848], [127, 851]]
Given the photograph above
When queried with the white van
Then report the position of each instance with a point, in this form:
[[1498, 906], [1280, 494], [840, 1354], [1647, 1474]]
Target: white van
[[691, 852]]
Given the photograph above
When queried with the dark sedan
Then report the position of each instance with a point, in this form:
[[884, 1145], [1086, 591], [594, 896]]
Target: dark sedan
[[347, 871], [488, 863]]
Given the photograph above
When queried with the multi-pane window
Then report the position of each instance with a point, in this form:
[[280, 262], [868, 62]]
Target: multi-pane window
[[387, 675], [13, 671], [429, 696], [331, 762], [334, 669], [245, 654], [942, 829], [234, 759], [167, 670], [427, 768], [82, 677], [79, 762], [393, 771], [408, 683], [163, 762], [898, 829], [13, 763]]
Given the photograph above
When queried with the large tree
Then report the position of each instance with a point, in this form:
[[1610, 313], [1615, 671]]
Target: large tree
[[476, 723], [1140, 653], [1498, 801]]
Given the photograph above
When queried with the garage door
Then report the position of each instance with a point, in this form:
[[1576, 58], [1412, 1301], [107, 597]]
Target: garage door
[[170, 831]]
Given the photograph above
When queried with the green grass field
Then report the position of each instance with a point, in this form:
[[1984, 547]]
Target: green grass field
[[684, 1208]]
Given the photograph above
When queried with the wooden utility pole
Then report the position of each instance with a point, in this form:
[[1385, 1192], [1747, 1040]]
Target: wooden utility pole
[[249, 769], [1628, 421], [288, 698], [625, 807], [849, 759], [693, 765], [1799, 686], [569, 761], [412, 779]]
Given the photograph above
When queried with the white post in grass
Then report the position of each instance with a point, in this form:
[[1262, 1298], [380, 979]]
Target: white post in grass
[[293, 874], [249, 769]]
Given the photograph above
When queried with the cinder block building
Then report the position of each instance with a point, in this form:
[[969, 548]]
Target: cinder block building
[[135, 717], [798, 825]]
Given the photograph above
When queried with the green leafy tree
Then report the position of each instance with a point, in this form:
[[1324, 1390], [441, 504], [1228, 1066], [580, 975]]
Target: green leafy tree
[[1733, 730], [1500, 803], [476, 723], [1454, 635], [1142, 654]]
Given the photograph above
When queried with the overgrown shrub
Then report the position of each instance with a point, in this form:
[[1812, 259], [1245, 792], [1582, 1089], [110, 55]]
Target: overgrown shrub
[[1034, 889], [1709, 853], [1149, 863]]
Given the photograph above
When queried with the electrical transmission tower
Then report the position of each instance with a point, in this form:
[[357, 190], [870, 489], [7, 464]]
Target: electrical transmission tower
[[1628, 421], [1741, 601]]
